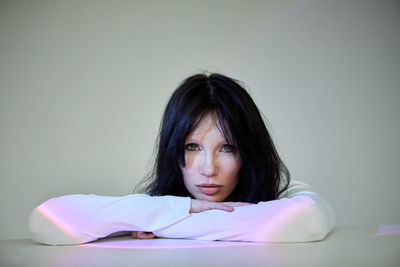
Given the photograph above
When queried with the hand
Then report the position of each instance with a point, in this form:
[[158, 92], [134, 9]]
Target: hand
[[142, 235], [203, 205]]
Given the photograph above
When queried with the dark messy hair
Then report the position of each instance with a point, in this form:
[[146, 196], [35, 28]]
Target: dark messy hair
[[262, 177]]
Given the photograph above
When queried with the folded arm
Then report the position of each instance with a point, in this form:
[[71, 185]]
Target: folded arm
[[301, 216], [76, 219]]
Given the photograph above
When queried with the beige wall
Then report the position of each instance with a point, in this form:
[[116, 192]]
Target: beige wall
[[83, 85]]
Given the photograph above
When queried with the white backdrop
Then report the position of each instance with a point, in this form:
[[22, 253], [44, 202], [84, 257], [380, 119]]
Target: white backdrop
[[83, 85]]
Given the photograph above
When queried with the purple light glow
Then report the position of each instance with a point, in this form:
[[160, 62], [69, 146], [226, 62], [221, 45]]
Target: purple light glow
[[393, 229]]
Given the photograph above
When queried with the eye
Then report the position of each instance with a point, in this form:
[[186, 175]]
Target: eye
[[228, 149], [192, 147]]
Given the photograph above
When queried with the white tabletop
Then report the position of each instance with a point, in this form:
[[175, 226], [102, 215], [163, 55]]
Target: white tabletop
[[351, 246]]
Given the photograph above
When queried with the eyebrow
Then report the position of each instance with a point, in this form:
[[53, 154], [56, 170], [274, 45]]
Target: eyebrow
[[195, 140]]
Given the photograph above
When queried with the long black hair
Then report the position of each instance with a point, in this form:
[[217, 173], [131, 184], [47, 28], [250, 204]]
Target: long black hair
[[262, 177]]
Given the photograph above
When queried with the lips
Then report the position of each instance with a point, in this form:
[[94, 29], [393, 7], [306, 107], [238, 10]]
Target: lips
[[209, 189]]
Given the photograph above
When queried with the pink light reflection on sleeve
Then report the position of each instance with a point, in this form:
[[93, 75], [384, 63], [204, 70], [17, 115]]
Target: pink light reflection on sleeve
[[56, 220], [294, 224], [47, 226]]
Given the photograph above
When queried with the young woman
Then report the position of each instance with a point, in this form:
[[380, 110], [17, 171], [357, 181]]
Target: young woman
[[217, 176]]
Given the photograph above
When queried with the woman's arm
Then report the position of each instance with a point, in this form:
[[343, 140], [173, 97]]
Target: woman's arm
[[300, 216], [75, 219]]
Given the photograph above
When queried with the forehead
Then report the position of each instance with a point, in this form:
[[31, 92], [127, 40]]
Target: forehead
[[208, 126]]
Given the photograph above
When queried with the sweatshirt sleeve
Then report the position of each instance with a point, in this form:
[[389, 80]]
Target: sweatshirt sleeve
[[76, 219], [299, 216]]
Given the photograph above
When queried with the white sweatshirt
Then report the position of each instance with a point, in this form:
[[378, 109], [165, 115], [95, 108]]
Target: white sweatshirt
[[299, 216]]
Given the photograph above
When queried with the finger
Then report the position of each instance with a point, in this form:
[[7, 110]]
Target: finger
[[135, 234], [203, 205], [145, 235], [220, 206], [238, 204], [151, 235]]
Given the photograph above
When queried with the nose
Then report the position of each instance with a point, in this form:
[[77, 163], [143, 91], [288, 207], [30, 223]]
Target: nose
[[209, 166]]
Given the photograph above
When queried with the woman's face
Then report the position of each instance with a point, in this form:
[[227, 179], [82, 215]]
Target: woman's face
[[212, 165]]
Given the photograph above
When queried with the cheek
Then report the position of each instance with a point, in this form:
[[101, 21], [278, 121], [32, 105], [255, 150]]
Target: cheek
[[232, 167], [189, 160], [189, 168], [234, 173]]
